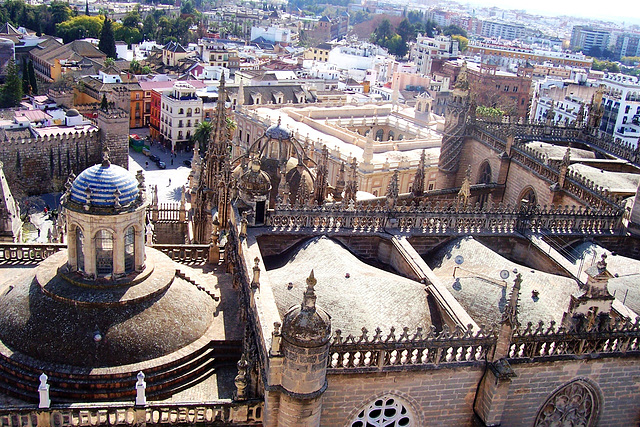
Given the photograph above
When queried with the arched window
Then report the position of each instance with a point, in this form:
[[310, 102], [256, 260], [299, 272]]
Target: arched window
[[129, 249], [391, 135], [386, 411], [181, 111], [484, 177], [79, 250], [379, 134], [527, 199], [104, 253], [575, 404]]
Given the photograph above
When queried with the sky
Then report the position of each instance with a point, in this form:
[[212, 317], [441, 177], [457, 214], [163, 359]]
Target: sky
[[619, 10]]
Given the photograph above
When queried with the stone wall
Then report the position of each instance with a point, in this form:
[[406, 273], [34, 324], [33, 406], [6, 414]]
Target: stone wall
[[42, 165]]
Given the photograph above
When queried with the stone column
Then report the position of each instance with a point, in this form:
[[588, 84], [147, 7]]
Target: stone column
[[139, 247], [118, 253], [72, 249]]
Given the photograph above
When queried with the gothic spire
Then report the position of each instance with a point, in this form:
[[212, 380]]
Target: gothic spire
[[418, 180]]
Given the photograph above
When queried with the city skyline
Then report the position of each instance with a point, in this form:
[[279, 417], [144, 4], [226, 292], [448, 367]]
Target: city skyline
[[583, 9]]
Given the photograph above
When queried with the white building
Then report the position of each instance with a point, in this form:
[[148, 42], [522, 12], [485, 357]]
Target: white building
[[621, 102], [426, 49], [180, 113], [272, 34]]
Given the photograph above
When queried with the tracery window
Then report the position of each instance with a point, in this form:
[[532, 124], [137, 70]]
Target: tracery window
[[527, 199], [104, 253], [575, 404], [388, 411], [484, 178]]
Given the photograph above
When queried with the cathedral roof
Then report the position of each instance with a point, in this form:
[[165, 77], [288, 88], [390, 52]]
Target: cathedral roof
[[99, 185], [353, 293], [483, 293]]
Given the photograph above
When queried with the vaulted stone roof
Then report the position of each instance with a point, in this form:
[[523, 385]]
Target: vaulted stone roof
[[355, 294]]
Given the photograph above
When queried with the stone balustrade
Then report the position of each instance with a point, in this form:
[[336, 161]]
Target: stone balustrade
[[386, 352], [445, 219], [20, 253], [126, 414], [27, 252], [537, 342]]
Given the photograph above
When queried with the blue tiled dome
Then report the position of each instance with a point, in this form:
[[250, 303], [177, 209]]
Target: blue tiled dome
[[103, 182]]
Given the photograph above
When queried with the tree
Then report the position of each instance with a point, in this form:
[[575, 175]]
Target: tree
[[79, 27], [32, 78], [463, 42], [107, 42], [454, 30], [406, 30], [11, 92], [86, 7], [202, 134]]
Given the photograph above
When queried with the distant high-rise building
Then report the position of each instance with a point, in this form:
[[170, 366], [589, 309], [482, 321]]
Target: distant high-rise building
[[627, 44], [585, 38]]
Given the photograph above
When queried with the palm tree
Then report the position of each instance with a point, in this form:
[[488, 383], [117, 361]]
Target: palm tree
[[202, 134]]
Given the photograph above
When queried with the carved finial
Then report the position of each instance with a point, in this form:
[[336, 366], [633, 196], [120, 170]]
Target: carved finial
[[116, 197], [43, 391], [566, 160], [279, 120], [602, 264], [87, 203], [141, 387], [255, 283], [241, 379], [105, 158], [511, 311], [309, 300]]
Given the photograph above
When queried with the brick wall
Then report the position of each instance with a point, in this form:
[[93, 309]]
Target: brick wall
[[446, 396], [617, 379], [442, 397], [475, 153]]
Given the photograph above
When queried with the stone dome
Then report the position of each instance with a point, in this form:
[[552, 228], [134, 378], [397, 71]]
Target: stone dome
[[101, 185], [255, 182], [72, 112], [278, 132]]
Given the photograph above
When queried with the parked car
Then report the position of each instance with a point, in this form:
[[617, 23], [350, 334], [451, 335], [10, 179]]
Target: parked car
[[154, 158], [187, 163], [161, 164]]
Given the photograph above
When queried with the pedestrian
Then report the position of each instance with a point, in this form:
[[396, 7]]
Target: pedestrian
[[146, 165], [169, 182], [171, 162]]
